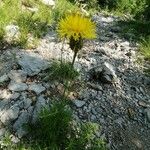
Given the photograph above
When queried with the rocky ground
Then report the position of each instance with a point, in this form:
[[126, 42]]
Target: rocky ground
[[114, 92]]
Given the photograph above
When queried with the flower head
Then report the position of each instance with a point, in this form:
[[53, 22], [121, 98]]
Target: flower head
[[76, 26]]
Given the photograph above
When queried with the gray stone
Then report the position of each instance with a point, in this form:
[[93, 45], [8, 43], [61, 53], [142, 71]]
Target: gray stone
[[37, 88], [40, 104], [14, 86], [15, 95], [2, 132], [93, 118], [105, 73], [144, 103], [30, 110], [79, 103], [119, 121], [32, 64], [147, 112], [3, 105], [23, 104], [9, 115], [18, 76], [95, 86], [4, 78], [27, 103], [19, 124]]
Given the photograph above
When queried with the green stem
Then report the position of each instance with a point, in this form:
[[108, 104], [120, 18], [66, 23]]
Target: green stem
[[74, 57], [66, 84]]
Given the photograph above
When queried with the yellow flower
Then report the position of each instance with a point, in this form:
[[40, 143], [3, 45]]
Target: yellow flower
[[76, 26]]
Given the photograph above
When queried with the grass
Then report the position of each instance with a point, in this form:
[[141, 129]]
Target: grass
[[61, 71], [145, 48], [31, 23], [145, 51]]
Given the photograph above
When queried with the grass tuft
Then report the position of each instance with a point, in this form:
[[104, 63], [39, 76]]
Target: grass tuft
[[145, 48], [62, 71]]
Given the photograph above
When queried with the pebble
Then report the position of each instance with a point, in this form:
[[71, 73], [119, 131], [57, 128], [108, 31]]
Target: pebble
[[4, 78], [78, 103]]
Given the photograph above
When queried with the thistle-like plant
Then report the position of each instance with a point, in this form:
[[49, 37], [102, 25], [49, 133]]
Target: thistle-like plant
[[76, 27]]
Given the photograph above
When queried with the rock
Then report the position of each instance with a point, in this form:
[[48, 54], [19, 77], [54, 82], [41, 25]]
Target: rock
[[49, 2], [11, 33], [15, 95], [147, 113], [18, 125], [23, 103], [119, 121], [2, 132], [93, 118], [3, 105], [4, 78], [9, 115], [105, 73], [27, 103], [18, 76], [37, 88], [32, 64], [13, 86], [125, 44], [79, 103], [5, 94], [95, 86], [40, 104], [14, 139], [144, 103]]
